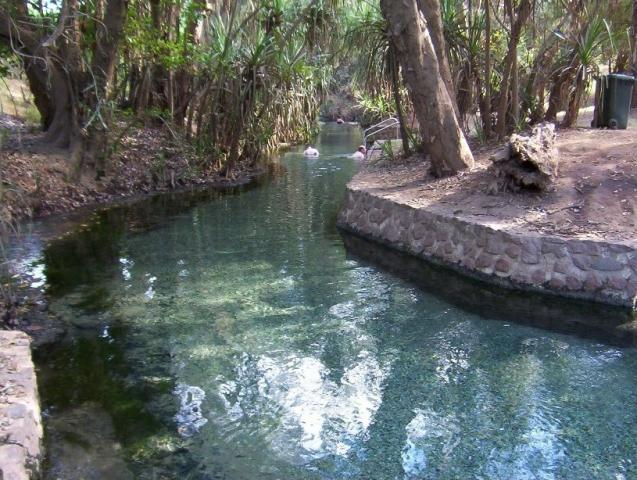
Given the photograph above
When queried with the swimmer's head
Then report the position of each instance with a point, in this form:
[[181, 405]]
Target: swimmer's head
[[362, 149]]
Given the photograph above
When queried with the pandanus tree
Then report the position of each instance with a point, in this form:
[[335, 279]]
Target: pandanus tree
[[585, 48], [377, 68], [235, 78], [264, 74]]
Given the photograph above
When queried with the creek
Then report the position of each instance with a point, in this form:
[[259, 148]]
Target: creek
[[231, 335]]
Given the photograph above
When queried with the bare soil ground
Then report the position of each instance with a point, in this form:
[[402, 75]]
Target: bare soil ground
[[36, 180], [595, 196]]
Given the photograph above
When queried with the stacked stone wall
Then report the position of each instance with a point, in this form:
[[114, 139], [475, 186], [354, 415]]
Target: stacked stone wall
[[20, 422], [595, 270]]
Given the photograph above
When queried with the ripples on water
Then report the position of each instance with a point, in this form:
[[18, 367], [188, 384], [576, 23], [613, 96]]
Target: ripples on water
[[234, 338]]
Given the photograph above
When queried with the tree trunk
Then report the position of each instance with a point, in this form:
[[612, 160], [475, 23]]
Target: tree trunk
[[574, 101], [441, 133], [71, 98], [431, 10], [559, 91], [395, 80], [485, 112], [523, 12], [184, 82], [563, 77], [515, 93]]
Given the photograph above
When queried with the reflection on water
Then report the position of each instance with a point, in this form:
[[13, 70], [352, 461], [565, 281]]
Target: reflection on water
[[233, 336], [189, 417]]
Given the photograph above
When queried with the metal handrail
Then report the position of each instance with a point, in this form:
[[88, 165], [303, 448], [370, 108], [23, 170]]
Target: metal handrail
[[393, 120], [380, 130], [377, 128]]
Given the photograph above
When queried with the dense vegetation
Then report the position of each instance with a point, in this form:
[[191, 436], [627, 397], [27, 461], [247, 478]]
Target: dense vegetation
[[235, 79]]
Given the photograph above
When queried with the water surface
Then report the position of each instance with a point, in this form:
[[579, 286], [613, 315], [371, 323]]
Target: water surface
[[232, 336]]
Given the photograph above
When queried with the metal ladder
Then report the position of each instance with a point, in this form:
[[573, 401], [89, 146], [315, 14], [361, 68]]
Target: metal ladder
[[379, 127]]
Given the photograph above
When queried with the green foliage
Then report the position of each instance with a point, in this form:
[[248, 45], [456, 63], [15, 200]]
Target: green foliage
[[257, 70], [367, 41], [375, 108]]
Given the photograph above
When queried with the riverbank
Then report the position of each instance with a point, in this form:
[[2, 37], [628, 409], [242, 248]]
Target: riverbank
[[37, 180], [576, 240]]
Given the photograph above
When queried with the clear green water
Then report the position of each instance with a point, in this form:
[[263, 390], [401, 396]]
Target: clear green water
[[231, 336]]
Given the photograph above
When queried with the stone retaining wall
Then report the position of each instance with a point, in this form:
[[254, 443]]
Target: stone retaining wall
[[594, 270], [20, 422]]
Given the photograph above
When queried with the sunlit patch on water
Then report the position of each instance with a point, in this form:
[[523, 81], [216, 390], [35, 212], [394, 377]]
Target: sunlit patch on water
[[32, 269], [342, 310], [190, 417], [150, 291], [126, 266], [427, 432], [307, 414]]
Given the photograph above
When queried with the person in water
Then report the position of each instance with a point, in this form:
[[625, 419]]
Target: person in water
[[360, 153], [310, 151], [339, 120]]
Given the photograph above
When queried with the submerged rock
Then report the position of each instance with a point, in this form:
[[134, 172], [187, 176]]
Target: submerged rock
[[81, 444]]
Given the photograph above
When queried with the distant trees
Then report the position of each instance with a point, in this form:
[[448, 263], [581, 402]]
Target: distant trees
[[378, 70], [516, 62], [235, 79]]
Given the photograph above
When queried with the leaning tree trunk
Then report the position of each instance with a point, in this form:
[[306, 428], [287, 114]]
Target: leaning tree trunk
[[48, 67], [439, 126], [431, 10]]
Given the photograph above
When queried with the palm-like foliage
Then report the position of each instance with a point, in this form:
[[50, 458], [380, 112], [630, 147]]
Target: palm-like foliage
[[367, 41], [377, 69], [263, 81], [585, 48]]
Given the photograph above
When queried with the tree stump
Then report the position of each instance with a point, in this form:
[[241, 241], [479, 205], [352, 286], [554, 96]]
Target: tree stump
[[526, 162]]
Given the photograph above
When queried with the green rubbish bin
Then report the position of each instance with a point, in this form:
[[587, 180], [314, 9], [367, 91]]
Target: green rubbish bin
[[615, 94]]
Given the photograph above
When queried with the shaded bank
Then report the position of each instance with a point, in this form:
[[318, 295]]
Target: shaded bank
[[589, 320], [597, 270]]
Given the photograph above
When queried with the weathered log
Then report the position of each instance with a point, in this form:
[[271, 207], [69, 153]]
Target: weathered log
[[526, 162]]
